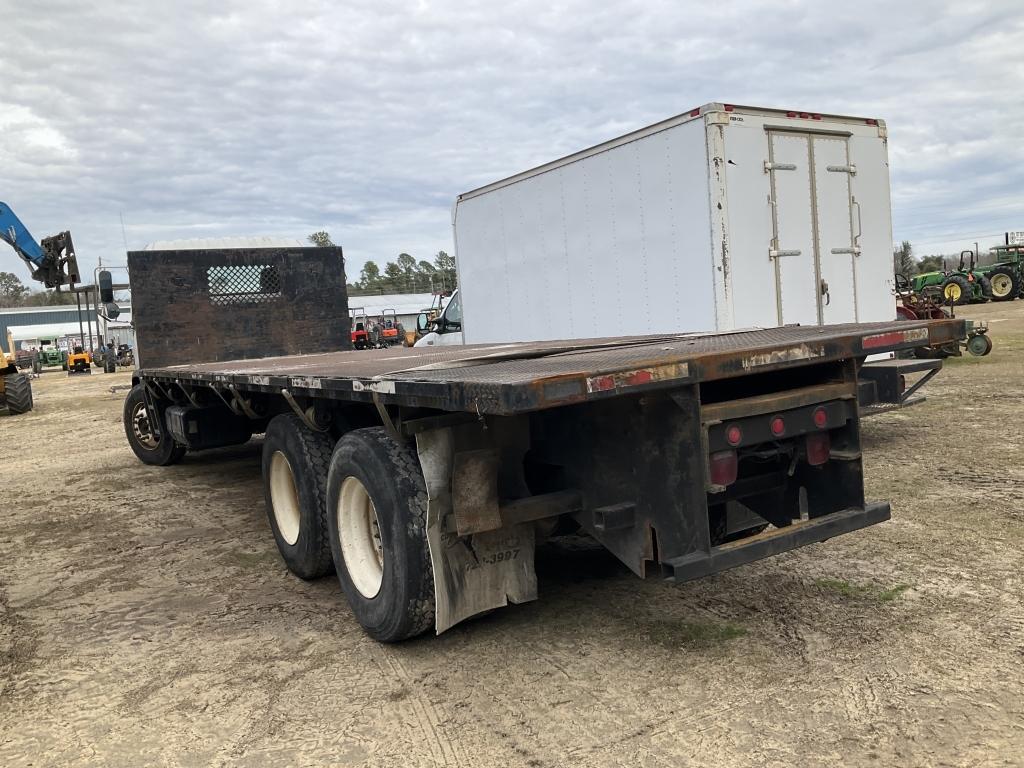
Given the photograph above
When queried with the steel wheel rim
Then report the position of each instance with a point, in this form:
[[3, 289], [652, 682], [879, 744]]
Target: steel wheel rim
[[952, 292], [141, 427], [359, 532], [1001, 285], [284, 497]]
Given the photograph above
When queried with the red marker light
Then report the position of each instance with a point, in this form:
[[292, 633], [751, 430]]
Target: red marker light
[[791, 114], [778, 426], [694, 112], [804, 115], [729, 107], [871, 121], [815, 117], [818, 448], [820, 418], [734, 435], [724, 467]]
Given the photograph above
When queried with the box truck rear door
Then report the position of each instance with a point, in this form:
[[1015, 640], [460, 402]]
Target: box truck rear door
[[796, 275], [836, 252]]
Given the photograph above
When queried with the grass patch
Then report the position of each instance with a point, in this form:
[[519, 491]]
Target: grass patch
[[862, 591], [692, 634]]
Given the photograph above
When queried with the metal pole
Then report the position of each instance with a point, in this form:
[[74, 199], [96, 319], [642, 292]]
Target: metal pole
[[88, 319], [81, 332]]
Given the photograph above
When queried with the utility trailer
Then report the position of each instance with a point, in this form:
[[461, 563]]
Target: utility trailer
[[425, 477]]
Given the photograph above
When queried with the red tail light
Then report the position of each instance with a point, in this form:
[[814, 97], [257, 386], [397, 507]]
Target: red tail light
[[778, 426], [724, 467], [734, 435], [818, 448], [820, 418]]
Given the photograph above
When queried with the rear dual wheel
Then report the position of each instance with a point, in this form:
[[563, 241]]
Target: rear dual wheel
[[295, 463], [361, 509], [377, 518]]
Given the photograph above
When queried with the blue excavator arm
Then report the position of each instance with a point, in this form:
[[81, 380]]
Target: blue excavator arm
[[52, 261]]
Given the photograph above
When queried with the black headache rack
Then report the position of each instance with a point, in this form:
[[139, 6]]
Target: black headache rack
[[683, 455]]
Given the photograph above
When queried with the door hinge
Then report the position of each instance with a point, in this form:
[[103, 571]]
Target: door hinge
[[774, 254], [770, 166], [850, 169]]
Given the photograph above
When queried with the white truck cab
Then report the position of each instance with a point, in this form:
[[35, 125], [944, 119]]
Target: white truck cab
[[445, 329]]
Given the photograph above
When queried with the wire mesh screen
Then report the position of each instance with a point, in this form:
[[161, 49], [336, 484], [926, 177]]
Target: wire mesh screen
[[245, 284]]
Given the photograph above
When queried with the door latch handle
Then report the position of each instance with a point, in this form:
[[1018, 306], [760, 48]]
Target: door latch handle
[[825, 293]]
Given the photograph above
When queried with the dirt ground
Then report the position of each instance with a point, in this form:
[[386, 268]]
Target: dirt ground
[[146, 619]]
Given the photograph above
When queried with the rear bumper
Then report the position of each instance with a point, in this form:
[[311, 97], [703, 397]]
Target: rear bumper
[[776, 541]]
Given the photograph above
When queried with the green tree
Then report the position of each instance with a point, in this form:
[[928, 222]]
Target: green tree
[[445, 265], [903, 259], [930, 264], [369, 277], [393, 277], [12, 291], [320, 239]]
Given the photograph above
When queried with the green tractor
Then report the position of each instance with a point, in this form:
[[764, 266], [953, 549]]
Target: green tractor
[[1007, 273], [49, 355], [964, 285]]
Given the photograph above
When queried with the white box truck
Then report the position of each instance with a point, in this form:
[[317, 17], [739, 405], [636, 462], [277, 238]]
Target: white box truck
[[721, 218]]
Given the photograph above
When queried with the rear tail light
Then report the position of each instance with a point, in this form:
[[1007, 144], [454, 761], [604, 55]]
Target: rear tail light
[[818, 448], [820, 417], [734, 435], [777, 426], [724, 466]]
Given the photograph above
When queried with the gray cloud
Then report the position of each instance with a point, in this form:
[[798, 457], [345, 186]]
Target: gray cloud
[[367, 118]]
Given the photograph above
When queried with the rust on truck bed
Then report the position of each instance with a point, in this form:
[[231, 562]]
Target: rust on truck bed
[[515, 378]]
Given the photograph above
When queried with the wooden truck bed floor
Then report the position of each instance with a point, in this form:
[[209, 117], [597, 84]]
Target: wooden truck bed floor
[[505, 379]]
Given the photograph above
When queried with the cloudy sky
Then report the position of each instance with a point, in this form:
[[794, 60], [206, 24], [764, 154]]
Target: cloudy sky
[[366, 117]]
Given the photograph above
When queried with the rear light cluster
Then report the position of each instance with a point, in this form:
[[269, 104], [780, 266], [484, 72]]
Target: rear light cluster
[[724, 465], [804, 115]]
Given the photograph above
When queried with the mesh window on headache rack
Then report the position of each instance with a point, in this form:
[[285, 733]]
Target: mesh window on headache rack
[[245, 284]]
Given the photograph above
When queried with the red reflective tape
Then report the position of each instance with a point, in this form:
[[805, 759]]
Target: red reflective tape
[[637, 377], [893, 338]]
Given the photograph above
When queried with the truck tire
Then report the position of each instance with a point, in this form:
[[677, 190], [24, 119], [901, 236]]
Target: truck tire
[[295, 464], [37, 366], [109, 365], [159, 451], [18, 392], [377, 517], [958, 289], [1005, 284]]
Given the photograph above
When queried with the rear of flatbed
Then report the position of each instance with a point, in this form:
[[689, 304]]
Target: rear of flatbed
[[430, 474]]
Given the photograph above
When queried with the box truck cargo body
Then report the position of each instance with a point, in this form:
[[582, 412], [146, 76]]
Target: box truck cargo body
[[725, 217]]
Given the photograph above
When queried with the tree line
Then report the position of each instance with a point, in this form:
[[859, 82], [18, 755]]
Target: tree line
[[904, 261], [403, 275]]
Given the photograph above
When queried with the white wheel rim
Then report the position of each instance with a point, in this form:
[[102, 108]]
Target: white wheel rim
[[359, 532], [284, 497]]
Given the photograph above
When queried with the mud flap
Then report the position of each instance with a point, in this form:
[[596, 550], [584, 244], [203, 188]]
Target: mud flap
[[475, 573]]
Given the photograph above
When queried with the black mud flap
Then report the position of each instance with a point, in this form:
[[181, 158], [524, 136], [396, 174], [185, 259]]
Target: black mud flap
[[776, 540]]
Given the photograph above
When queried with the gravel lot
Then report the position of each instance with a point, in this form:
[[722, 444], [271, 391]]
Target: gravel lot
[[146, 619]]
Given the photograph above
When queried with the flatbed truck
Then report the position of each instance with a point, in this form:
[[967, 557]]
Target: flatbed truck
[[424, 478]]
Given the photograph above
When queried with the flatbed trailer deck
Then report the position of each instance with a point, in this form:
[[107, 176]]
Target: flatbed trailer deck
[[425, 477], [504, 379]]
